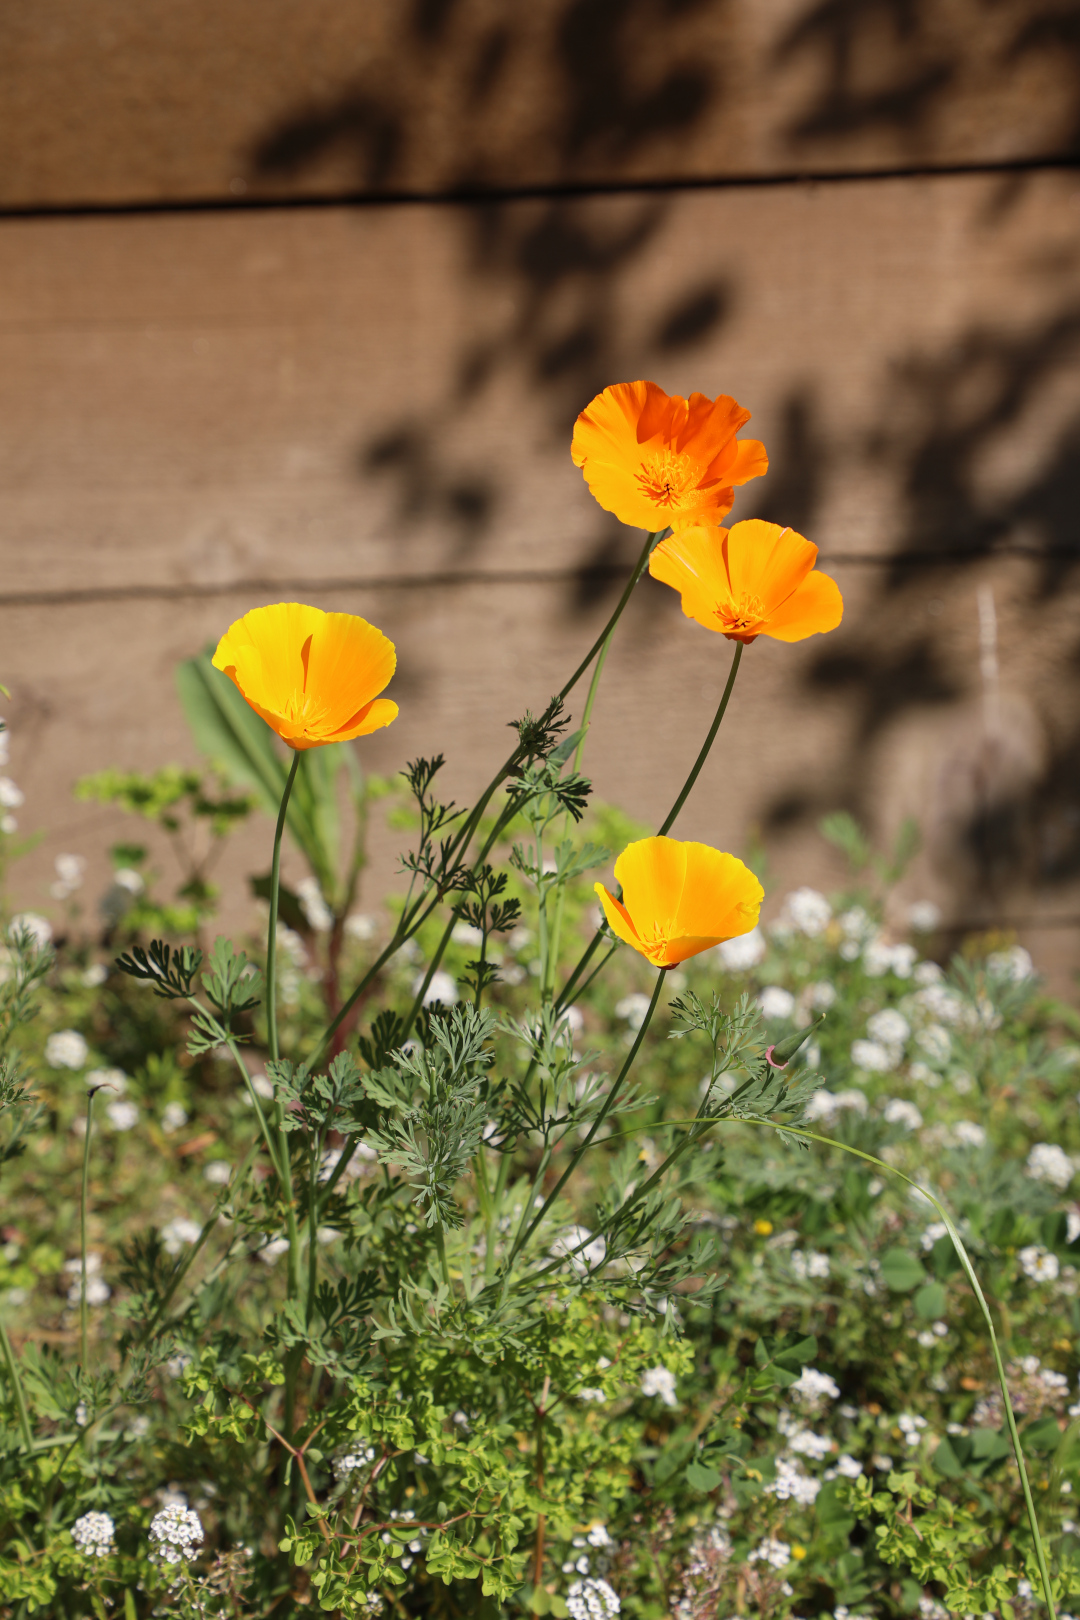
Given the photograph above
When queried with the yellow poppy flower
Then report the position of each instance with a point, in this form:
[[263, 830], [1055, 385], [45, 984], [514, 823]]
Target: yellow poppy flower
[[679, 899], [313, 676], [659, 461], [755, 579]]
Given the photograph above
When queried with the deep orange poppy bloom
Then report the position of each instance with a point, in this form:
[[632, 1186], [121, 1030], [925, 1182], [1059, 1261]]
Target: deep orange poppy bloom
[[755, 579], [659, 461], [679, 899], [313, 676]]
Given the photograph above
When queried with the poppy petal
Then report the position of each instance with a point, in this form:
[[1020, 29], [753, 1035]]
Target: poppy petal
[[767, 562], [721, 896], [618, 917], [652, 872], [813, 608], [692, 562]]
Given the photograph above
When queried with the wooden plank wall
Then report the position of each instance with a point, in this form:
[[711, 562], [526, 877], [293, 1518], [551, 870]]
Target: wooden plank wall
[[303, 299]]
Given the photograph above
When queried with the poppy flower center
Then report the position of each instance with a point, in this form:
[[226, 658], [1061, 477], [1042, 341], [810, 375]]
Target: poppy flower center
[[745, 614], [667, 477]]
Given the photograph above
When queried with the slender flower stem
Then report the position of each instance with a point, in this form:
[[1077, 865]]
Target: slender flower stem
[[583, 1146], [669, 820], [16, 1387], [271, 938], [83, 1201], [464, 836]]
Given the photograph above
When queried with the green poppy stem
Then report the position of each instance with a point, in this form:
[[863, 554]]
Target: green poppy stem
[[271, 938], [83, 1204]]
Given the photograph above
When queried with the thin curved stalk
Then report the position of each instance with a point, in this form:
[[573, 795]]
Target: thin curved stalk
[[16, 1388], [271, 938], [568, 988], [84, 1197], [584, 1146]]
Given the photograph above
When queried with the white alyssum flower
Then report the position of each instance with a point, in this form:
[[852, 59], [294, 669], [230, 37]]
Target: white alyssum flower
[[899, 1112], [442, 988], [464, 933], [66, 1049], [1038, 1263], [592, 1599], [591, 1394], [828, 1105], [809, 1444], [880, 958], [809, 1264], [941, 1002], [30, 922], [812, 1387], [820, 996], [351, 1462], [94, 1534], [936, 1042], [177, 1232], [597, 1536], [176, 1534], [743, 952], [313, 904], [771, 1551], [271, 1252], [360, 926], [792, 1484], [95, 974], [11, 795], [115, 1080], [1048, 1162], [847, 1466], [776, 1002], [217, 1172], [69, 875], [660, 1382], [122, 1115], [633, 1008], [580, 1247], [1014, 964], [966, 1133], [889, 1027], [924, 916], [173, 1117], [126, 877], [910, 1426], [808, 911], [936, 1229], [872, 1056]]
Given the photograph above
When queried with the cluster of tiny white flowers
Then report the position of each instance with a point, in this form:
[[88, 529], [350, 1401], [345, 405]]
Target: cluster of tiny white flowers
[[174, 1117], [889, 1027], [771, 1551], [352, 1461], [121, 1114], [633, 1008], [936, 1229], [177, 1232], [743, 952], [176, 1533], [809, 1264], [442, 988], [30, 922], [319, 916], [899, 1112], [94, 1535], [792, 1484], [966, 1133], [660, 1382], [808, 912], [924, 916], [592, 1599], [776, 1002], [879, 958], [828, 1105], [69, 875], [872, 1056], [1038, 1263], [1048, 1162], [944, 1005], [66, 1049], [578, 1245], [97, 1289], [408, 1550], [936, 1042], [811, 1388], [1014, 964], [910, 1426]]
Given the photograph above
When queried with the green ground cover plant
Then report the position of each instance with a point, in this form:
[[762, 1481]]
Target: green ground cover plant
[[455, 1259]]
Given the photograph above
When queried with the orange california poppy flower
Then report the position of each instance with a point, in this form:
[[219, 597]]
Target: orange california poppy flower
[[313, 676], [678, 899], [755, 579], [659, 461]]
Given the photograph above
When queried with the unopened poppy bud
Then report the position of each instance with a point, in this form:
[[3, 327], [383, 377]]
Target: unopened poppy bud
[[782, 1053]]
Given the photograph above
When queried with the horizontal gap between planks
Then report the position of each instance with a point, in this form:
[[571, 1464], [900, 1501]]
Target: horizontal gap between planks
[[460, 577], [553, 191]]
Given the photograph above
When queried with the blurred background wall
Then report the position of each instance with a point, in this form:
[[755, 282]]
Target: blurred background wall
[[301, 298]]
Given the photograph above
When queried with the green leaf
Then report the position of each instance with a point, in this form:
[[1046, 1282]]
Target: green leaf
[[947, 1462], [1042, 1436], [701, 1477], [901, 1271], [931, 1302]]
